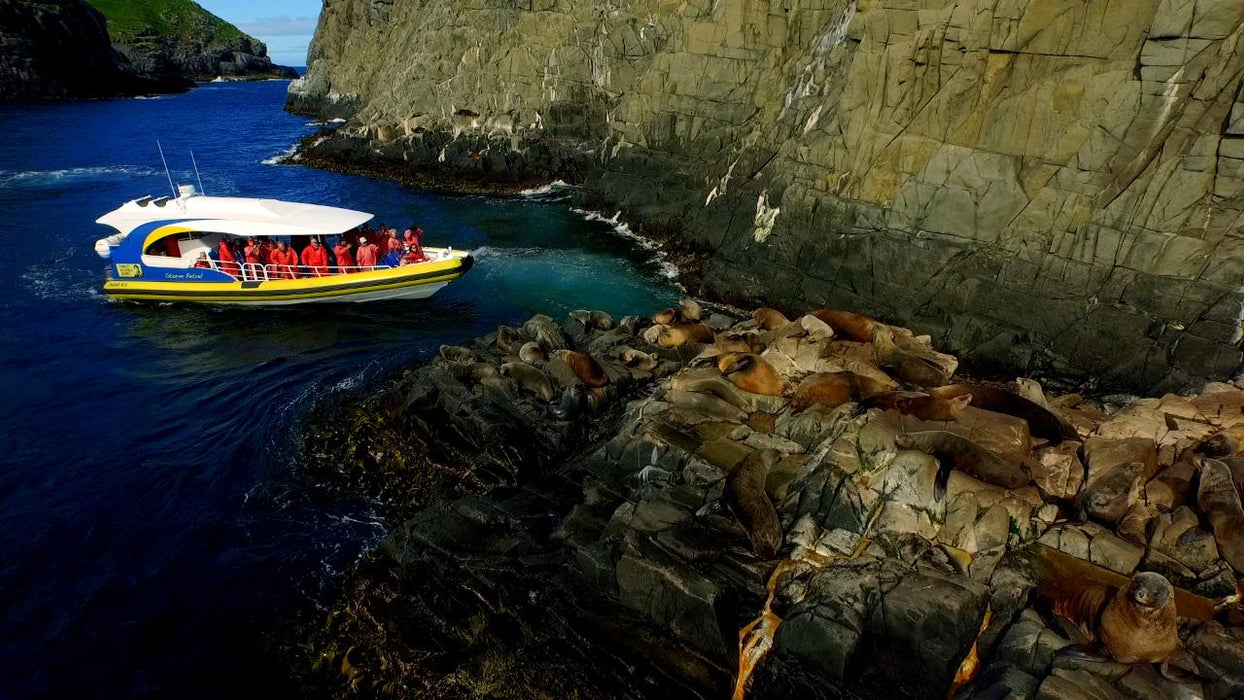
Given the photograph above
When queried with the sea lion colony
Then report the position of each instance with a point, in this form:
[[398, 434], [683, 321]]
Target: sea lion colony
[[833, 442]]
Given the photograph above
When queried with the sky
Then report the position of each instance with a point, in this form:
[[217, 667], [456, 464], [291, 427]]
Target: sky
[[286, 26]]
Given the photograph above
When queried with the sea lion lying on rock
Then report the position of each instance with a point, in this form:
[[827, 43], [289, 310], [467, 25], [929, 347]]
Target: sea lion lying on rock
[[1219, 501], [688, 311], [736, 341], [832, 389], [957, 452], [770, 319], [1041, 421], [456, 354], [910, 360], [679, 334], [584, 367], [529, 378], [716, 385], [531, 352], [705, 404], [848, 325], [747, 499], [922, 406], [750, 373], [637, 359], [600, 321]]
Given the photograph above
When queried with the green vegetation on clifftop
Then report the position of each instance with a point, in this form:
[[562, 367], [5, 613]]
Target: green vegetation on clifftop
[[167, 18]]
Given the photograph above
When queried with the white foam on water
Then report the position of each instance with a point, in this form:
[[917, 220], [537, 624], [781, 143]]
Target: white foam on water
[[28, 178], [666, 268], [282, 157], [556, 186]]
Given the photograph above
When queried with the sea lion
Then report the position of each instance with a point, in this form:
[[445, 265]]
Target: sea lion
[[718, 386], [531, 352], [750, 373], [529, 378], [1042, 422], [584, 367], [816, 328], [688, 311], [573, 403], [735, 341], [1108, 498], [1134, 624], [770, 319], [848, 325], [706, 405], [508, 339], [637, 359], [676, 335], [1219, 501], [600, 320], [911, 361], [545, 331], [954, 451], [833, 389], [921, 406], [745, 496], [632, 324], [582, 316], [456, 354]]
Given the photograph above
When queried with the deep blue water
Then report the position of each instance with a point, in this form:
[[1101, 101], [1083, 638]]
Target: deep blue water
[[153, 525]]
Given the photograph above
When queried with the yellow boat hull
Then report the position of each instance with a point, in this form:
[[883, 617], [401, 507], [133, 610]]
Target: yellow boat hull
[[408, 282]]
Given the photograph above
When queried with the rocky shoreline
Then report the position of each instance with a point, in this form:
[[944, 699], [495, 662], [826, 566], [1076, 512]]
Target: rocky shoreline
[[821, 513]]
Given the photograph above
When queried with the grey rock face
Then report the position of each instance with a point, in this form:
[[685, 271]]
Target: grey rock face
[[56, 51], [1036, 189]]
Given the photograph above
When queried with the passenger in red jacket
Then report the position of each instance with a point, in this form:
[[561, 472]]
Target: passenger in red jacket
[[366, 254], [391, 242], [315, 258], [286, 261], [228, 262], [253, 251], [269, 247], [345, 260]]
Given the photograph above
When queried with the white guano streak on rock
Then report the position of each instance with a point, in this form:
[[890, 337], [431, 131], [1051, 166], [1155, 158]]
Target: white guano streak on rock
[[720, 189], [766, 216], [805, 82]]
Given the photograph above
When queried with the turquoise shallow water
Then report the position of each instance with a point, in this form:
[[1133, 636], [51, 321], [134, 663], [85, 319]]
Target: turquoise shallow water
[[152, 523]]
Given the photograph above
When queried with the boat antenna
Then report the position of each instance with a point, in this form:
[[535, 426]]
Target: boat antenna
[[171, 186], [196, 173]]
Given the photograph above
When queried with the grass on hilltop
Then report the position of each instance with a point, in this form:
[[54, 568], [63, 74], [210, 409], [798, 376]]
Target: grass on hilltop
[[167, 18]]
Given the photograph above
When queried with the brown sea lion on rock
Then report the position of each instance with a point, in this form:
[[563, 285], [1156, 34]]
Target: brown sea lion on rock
[[1135, 624], [529, 378], [910, 360], [921, 406], [1219, 501], [584, 367], [770, 319], [848, 325], [750, 373], [735, 341], [531, 352], [688, 312], [456, 354], [600, 320], [1041, 421], [746, 497], [637, 359], [833, 389], [957, 452], [676, 335]]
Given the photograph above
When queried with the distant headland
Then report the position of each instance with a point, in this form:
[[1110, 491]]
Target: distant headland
[[72, 49]]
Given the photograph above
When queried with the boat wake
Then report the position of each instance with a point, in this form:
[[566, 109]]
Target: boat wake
[[667, 269], [37, 178]]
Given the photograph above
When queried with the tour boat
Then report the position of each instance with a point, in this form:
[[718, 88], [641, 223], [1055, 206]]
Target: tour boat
[[164, 250]]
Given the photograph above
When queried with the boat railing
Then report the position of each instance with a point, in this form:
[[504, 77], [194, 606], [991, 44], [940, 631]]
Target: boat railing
[[258, 272]]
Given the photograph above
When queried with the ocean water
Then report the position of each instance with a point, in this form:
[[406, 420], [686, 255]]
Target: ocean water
[[153, 525]]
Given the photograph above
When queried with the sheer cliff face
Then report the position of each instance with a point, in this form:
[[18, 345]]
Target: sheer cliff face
[[1039, 183]]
